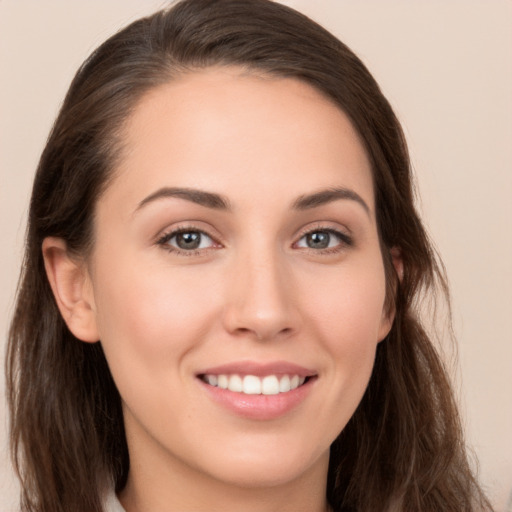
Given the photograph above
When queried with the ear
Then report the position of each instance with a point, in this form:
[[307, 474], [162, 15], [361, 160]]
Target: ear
[[72, 289], [398, 262], [388, 313]]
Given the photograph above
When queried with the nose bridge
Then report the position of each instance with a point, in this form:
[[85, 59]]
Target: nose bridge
[[260, 298]]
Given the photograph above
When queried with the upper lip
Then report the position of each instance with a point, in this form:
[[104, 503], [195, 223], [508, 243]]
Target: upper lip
[[259, 369]]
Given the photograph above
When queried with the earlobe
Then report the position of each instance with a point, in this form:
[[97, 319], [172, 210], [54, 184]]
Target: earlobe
[[386, 323], [389, 311], [71, 288]]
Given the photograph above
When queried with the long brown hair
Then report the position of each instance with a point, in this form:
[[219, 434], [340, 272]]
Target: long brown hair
[[402, 449]]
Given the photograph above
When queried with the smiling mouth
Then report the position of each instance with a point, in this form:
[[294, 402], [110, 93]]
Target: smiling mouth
[[254, 385]]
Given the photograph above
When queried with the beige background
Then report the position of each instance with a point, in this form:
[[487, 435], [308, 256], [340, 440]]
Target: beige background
[[446, 66]]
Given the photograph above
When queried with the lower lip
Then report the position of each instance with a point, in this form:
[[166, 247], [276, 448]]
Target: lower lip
[[259, 407]]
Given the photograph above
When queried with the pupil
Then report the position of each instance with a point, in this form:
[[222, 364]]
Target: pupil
[[318, 240], [189, 240]]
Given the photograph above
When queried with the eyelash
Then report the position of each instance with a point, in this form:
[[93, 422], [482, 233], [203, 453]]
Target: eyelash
[[166, 237], [345, 241]]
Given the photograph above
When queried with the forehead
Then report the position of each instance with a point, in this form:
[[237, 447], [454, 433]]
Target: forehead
[[225, 127]]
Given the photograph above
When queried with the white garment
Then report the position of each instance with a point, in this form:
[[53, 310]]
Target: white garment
[[112, 503]]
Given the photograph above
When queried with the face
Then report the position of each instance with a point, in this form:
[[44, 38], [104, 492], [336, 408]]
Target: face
[[237, 281]]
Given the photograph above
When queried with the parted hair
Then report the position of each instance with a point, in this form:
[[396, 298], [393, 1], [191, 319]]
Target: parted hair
[[403, 448]]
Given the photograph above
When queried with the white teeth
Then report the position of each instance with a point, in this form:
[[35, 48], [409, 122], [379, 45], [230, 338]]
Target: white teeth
[[235, 384], [222, 381], [270, 385], [252, 385], [284, 384]]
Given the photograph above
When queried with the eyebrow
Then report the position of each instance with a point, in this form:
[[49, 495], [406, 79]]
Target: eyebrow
[[218, 202], [326, 196], [207, 199]]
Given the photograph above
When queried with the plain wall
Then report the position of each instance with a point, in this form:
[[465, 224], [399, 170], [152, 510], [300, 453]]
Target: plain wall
[[446, 68]]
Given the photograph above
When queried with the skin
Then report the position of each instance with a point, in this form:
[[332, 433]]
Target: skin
[[254, 291]]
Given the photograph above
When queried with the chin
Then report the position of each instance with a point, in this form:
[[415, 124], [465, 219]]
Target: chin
[[268, 468]]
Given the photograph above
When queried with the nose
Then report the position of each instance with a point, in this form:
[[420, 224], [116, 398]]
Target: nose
[[261, 302]]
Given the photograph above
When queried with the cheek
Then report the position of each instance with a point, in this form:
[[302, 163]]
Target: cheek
[[347, 314], [150, 319], [348, 306], [150, 313]]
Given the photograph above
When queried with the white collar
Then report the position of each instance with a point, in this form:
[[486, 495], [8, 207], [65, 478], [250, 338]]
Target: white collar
[[112, 504]]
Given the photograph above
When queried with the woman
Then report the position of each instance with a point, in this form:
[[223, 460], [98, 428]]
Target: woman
[[223, 259]]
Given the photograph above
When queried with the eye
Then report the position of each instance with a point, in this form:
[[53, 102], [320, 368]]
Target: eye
[[321, 239], [187, 240]]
